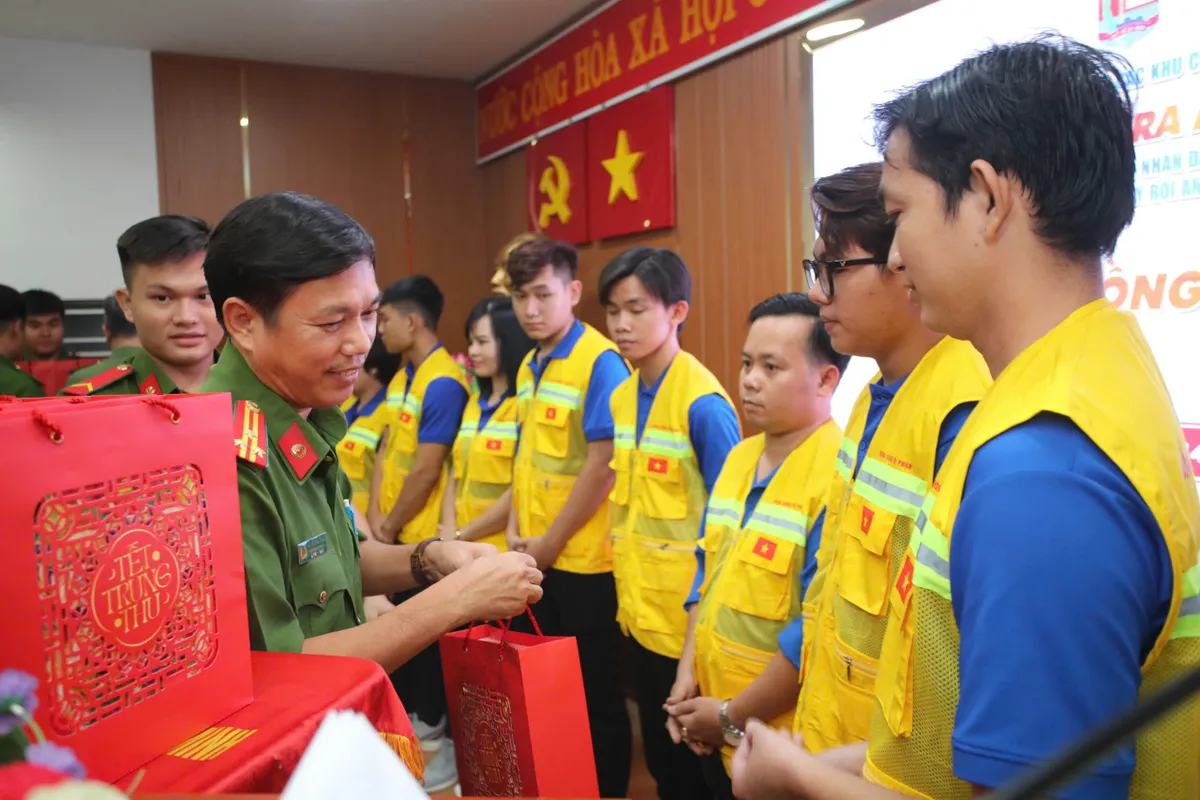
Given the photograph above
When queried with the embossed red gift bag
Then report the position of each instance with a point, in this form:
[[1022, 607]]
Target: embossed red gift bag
[[123, 575], [518, 714]]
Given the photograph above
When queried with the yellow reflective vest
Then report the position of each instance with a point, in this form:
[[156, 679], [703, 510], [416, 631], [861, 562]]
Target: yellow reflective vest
[[552, 450], [356, 453], [868, 522], [752, 572], [404, 405], [658, 500], [1096, 369], [483, 462]]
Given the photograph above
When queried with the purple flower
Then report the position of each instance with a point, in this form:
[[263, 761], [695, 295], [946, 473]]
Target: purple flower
[[59, 759], [16, 689]]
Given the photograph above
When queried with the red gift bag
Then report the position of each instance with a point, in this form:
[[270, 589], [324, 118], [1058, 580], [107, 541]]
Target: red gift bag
[[122, 563], [518, 714]]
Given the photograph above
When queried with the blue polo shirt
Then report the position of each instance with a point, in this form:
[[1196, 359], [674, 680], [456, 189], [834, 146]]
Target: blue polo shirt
[[441, 408], [366, 409], [608, 372], [712, 424], [488, 410], [1061, 582]]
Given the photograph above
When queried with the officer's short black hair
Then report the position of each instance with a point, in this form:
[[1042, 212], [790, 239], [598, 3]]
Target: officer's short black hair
[[799, 304], [12, 306], [1051, 113], [271, 244], [40, 301], [166, 239], [114, 319], [529, 259], [380, 363], [661, 271], [416, 294]]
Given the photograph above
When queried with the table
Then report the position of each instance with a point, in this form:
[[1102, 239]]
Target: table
[[256, 749]]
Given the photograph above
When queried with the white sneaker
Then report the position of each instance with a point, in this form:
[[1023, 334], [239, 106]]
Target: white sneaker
[[441, 772], [423, 731]]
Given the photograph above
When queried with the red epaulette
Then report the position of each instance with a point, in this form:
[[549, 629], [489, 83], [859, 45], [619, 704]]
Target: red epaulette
[[99, 380], [251, 428]]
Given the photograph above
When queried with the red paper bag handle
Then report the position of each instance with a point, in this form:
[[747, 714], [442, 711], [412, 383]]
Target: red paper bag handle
[[54, 431], [504, 626]]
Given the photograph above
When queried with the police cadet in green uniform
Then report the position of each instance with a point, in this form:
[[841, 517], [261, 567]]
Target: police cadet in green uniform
[[122, 340], [293, 280], [166, 298], [14, 382]]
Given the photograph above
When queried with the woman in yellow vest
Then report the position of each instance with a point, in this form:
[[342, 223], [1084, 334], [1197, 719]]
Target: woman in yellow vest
[[766, 503], [366, 413], [479, 493], [1051, 578]]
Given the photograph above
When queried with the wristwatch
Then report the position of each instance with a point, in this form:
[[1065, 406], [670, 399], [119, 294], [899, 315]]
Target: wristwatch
[[420, 571], [733, 734]]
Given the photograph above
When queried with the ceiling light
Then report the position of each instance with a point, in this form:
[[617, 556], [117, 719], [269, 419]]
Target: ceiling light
[[831, 29], [244, 122]]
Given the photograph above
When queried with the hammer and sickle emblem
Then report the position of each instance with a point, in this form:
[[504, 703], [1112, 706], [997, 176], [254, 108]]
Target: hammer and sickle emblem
[[555, 185]]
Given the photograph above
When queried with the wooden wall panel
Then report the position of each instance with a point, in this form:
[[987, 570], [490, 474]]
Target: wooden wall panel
[[197, 109], [505, 202]]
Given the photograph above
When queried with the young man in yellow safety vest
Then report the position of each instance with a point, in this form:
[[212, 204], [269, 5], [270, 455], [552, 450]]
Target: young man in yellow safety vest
[[762, 510], [424, 408], [674, 426], [1052, 574], [561, 481], [901, 428]]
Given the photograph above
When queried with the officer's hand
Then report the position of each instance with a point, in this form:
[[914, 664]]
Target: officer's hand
[[542, 548], [497, 586], [444, 557], [765, 762]]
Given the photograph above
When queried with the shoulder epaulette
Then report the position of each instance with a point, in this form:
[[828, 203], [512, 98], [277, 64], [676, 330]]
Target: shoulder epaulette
[[251, 427], [99, 380]]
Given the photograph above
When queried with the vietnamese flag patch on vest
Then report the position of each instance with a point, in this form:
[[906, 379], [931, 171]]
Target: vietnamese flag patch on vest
[[904, 581], [349, 446], [405, 417], [764, 547], [551, 412], [867, 518], [493, 444], [657, 465]]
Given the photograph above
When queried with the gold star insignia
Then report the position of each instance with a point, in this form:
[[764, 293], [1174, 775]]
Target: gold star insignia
[[621, 167]]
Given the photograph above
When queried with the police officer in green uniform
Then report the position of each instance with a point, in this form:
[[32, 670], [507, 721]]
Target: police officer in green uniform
[[14, 382], [166, 298], [122, 340], [293, 280]]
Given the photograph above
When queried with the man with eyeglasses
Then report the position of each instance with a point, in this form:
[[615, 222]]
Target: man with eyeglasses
[[901, 428]]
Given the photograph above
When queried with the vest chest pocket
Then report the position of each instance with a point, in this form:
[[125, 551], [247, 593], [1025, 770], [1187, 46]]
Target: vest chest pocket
[[319, 591], [551, 434], [666, 570], [621, 462], [661, 480], [759, 580], [864, 565], [492, 459]]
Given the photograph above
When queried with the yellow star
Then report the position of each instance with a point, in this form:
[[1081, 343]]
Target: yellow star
[[621, 167]]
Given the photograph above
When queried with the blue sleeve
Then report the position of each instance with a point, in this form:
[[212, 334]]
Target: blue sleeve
[[714, 431], [1048, 654], [951, 426], [607, 374], [791, 638], [441, 411], [698, 581]]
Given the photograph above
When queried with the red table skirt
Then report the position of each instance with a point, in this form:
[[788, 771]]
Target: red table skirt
[[256, 749]]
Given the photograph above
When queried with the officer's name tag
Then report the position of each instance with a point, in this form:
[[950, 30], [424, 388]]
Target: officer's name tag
[[312, 548]]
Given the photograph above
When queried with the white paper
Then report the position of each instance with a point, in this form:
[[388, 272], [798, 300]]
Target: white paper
[[348, 758]]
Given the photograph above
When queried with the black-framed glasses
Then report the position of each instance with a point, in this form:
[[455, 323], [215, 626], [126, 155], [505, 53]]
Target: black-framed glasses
[[820, 273]]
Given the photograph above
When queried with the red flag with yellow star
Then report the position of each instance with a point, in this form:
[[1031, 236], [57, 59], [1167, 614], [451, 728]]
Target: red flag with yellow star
[[631, 165], [556, 172]]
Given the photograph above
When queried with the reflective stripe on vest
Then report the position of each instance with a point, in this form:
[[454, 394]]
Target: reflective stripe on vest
[[725, 512], [779, 521], [1188, 624], [845, 459], [560, 395], [365, 436], [888, 487]]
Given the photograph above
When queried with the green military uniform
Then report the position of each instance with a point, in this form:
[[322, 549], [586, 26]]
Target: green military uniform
[[135, 373], [298, 532], [122, 355], [17, 383]]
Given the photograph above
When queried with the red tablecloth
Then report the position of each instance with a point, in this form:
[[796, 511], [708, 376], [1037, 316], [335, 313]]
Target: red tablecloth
[[256, 749]]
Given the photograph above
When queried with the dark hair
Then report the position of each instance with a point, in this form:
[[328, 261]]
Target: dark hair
[[160, 240], [12, 306], [419, 294], [511, 340], [114, 319], [40, 301], [269, 245], [849, 211], [661, 271], [1051, 113], [382, 364], [527, 260], [799, 304]]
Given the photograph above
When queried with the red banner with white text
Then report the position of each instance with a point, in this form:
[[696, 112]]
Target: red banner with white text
[[624, 45]]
